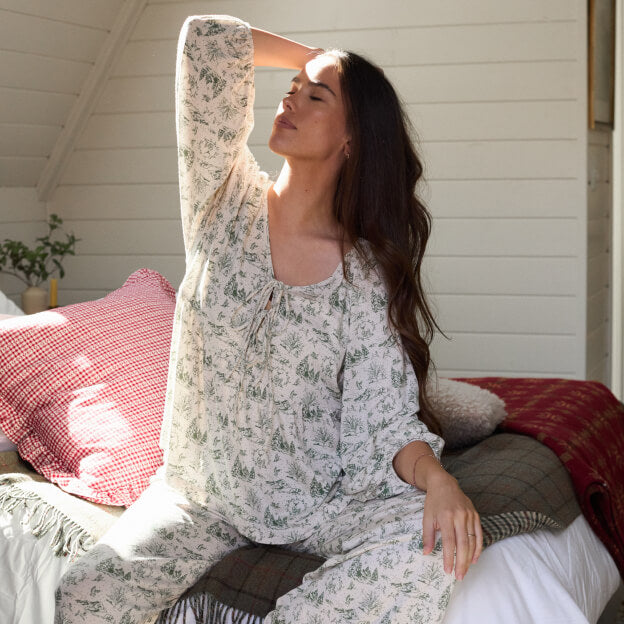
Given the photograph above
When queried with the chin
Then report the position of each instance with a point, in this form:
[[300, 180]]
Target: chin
[[278, 147]]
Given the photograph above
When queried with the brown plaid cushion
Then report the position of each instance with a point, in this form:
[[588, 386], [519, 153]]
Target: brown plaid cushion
[[249, 579]]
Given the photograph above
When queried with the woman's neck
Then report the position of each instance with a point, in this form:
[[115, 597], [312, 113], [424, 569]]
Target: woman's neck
[[302, 198]]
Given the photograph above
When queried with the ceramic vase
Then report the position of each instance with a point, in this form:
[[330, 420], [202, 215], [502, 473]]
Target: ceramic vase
[[34, 299]]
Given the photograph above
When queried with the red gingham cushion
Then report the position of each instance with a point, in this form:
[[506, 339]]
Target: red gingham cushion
[[82, 389]]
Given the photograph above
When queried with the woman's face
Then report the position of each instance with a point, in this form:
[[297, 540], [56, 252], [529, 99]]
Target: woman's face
[[310, 123]]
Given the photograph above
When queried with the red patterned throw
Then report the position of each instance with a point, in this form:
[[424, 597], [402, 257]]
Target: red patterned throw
[[583, 423]]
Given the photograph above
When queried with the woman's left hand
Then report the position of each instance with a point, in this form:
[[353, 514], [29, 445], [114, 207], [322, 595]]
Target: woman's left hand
[[450, 511]]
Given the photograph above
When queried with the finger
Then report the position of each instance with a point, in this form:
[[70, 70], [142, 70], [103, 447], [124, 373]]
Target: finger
[[448, 546], [478, 540], [474, 538], [472, 547], [463, 550], [428, 535]]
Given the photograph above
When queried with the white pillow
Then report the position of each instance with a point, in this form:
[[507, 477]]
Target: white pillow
[[466, 413], [8, 307]]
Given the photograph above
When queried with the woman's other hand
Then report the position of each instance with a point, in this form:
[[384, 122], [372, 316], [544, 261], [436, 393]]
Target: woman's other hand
[[450, 511], [447, 508]]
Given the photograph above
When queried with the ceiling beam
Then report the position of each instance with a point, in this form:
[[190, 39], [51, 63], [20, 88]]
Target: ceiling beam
[[89, 94]]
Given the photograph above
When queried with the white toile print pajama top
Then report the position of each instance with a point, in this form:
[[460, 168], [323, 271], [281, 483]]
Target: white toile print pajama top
[[285, 404]]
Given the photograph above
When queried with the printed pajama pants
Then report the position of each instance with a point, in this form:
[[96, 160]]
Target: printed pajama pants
[[375, 570]]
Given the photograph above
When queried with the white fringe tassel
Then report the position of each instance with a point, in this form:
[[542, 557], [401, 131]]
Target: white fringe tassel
[[68, 538], [207, 610]]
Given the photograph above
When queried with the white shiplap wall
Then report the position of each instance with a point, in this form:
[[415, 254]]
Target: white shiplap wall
[[47, 50], [22, 217], [496, 90]]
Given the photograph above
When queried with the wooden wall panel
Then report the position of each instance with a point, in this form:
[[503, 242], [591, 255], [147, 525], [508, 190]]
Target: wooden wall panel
[[505, 314], [93, 14], [96, 273], [34, 107], [129, 130], [28, 140], [504, 237], [47, 51], [477, 353], [503, 276], [20, 171], [118, 202], [502, 198], [127, 237], [137, 95], [33, 34], [22, 217], [125, 166], [358, 15], [20, 71]]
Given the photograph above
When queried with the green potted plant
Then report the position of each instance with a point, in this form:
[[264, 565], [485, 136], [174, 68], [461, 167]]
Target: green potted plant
[[35, 265]]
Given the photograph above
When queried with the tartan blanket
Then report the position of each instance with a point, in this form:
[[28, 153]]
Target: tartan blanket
[[583, 423], [517, 484]]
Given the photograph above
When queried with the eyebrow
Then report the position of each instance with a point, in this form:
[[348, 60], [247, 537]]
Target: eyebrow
[[296, 79]]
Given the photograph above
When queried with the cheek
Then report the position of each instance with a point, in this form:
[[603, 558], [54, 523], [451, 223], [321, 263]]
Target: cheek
[[329, 126]]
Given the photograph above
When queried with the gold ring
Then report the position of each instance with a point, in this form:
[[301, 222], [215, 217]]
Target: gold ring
[[471, 535]]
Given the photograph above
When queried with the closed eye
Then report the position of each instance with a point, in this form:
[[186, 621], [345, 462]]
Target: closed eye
[[312, 97]]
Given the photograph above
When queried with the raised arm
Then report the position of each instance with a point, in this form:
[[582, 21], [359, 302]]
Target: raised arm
[[214, 111], [274, 51], [214, 104]]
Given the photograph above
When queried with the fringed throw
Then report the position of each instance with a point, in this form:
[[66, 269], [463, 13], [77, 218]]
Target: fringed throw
[[207, 610], [73, 524], [68, 538]]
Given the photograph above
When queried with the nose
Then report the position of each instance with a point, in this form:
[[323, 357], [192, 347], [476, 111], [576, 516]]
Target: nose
[[287, 103]]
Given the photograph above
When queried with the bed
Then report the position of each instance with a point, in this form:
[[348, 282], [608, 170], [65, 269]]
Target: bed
[[81, 396]]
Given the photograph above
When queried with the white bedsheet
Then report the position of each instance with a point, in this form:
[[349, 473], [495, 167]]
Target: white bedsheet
[[546, 577], [29, 573]]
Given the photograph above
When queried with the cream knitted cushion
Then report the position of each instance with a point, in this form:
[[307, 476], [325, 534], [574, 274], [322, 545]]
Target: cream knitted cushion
[[466, 413]]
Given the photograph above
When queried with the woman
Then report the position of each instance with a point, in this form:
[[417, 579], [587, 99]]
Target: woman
[[293, 397]]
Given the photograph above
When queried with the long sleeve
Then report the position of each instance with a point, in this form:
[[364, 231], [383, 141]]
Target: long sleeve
[[214, 116], [379, 401], [214, 112]]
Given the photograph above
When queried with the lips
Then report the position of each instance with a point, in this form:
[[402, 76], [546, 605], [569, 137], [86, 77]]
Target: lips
[[282, 122]]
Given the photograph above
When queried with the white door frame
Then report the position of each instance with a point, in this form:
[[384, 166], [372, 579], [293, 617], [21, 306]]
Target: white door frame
[[617, 339]]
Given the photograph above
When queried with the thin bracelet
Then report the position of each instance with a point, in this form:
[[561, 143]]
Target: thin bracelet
[[413, 484]]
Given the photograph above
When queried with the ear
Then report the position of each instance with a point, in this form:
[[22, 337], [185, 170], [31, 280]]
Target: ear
[[346, 148]]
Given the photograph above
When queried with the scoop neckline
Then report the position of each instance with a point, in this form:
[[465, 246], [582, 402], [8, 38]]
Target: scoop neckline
[[269, 259]]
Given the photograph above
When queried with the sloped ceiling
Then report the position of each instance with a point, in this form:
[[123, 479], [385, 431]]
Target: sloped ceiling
[[48, 50]]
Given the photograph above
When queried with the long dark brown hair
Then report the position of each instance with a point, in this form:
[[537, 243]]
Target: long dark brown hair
[[376, 201]]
